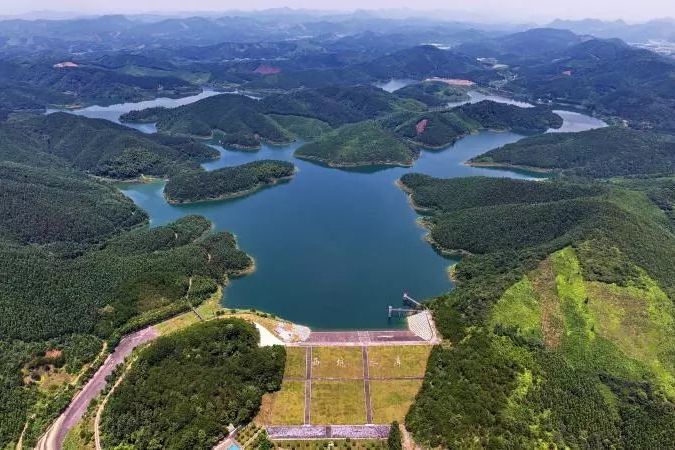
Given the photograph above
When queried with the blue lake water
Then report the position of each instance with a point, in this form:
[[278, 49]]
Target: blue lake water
[[113, 112], [333, 248]]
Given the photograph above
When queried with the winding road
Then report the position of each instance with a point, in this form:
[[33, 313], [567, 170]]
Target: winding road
[[56, 433]]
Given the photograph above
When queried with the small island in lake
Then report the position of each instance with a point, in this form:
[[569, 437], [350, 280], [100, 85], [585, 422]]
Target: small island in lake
[[228, 182]]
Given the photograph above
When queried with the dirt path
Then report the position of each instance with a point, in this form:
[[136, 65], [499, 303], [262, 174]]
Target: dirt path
[[101, 407], [366, 385], [53, 438], [308, 384]]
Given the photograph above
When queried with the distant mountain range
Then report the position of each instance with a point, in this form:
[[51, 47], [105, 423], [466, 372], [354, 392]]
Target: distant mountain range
[[660, 29]]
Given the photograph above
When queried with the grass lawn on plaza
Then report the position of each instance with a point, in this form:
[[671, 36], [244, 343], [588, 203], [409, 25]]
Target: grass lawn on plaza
[[391, 399], [295, 362], [288, 404], [337, 362], [398, 361], [338, 402]]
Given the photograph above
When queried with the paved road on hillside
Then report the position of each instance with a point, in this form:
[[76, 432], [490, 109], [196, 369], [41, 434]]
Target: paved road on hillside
[[53, 438]]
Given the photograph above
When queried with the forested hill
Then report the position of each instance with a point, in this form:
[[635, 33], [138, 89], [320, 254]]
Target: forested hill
[[500, 116], [97, 146], [35, 84], [600, 153], [241, 121], [393, 139], [439, 128], [360, 144], [197, 186], [560, 320], [186, 388], [608, 77], [240, 118], [79, 263], [43, 205]]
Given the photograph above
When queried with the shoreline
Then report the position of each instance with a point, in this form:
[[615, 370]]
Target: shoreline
[[243, 272], [423, 223], [144, 179], [496, 165], [353, 165], [411, 201]]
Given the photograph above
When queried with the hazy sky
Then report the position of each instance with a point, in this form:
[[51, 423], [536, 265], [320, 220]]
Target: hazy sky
[[520, 10]]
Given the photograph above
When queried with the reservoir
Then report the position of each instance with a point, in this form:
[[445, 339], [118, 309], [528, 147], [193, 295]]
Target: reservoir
[[333, 248]]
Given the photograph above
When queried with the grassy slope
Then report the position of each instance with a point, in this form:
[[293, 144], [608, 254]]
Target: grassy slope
[[564, 340]]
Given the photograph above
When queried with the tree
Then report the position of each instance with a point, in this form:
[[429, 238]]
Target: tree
[[394, 440]]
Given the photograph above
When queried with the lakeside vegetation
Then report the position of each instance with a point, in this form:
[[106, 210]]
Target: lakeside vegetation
[[79, 263], [32, 84], [605, 76], [601, 153], [238, 120], [185, 388], [559, 333], [394, 139], [241, 121], [189, 187], [434, 93], [542, 305]]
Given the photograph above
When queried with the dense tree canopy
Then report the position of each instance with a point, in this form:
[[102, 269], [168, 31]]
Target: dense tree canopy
[[226, 182], [97, 146], [186, 388], [538, 356], [600, 153], [365, 143]]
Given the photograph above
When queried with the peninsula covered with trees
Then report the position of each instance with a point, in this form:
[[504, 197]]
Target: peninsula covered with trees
[[361, 144], [396, 138], [601, 153]]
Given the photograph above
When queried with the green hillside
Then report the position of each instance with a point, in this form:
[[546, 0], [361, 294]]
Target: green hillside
[[227, 182], [239, 120], [433, 93], [364, 143], [97, 146], [558, 319], [436, 129], [500, 116], [187, 387], [95, 272], [608, 77], [600, 153]]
